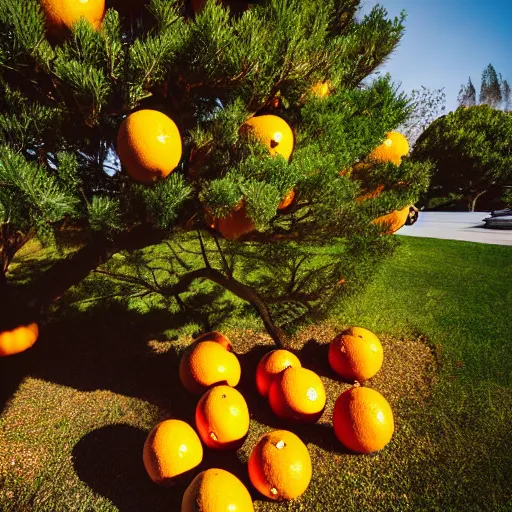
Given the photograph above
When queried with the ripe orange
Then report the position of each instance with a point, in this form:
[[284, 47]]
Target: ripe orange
[[149, 145], [271, 365], [217, 337], [216, 490], [287, 200], [356, 354], [391, 150], [280, 466], [297, 394], [19, 339], [222, 417], [272, 131], [236, 224], [171, 448], [207, 363], [392, 221], [363, 420], [60, 15]]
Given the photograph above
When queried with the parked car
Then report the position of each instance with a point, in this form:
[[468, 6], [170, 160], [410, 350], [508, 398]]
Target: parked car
[[500, 219]]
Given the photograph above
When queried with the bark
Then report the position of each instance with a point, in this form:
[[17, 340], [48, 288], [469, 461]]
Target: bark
[[237, 288], [473, 202], [48, 287]]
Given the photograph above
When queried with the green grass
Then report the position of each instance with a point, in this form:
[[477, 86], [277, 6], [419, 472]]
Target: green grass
[[83, 399]]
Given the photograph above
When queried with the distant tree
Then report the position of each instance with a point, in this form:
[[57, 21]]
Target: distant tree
[[426, 106], [467, 95], [506, 96], [490, 90], [471, 153]]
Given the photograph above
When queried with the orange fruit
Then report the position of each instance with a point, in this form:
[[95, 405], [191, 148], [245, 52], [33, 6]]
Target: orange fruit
[[297, 394], [207, 363], [356, 354], [60, 15], [321, 89], [271, 365], [391, 150], [216, 490], [149, 145], [222, 417], [280, 466], [392, 222], [217, 337], [287, 200], [236, 224], [171, 448], [19, 339], [363, 420], [272, 131], [370, 194]]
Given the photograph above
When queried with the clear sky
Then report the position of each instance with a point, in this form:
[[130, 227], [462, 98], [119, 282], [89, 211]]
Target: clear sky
[[447, 41]]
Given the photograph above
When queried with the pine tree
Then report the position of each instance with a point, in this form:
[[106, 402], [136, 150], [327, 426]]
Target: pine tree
[[490, 89], [63, 98], [506, 96], [467, 95]]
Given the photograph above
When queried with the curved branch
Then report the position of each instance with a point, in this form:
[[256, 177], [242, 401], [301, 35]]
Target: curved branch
[[237, 288]]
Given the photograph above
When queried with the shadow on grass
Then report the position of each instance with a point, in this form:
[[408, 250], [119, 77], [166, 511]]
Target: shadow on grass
[[109, 461], [106, 347]]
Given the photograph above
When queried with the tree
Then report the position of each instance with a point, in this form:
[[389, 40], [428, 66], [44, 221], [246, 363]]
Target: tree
[[490, 90], [471, 153], [426, 106], [65, 95], [505, 94], [467, 95]]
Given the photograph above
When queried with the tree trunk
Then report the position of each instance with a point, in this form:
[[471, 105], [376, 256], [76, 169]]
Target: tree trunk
[[240, 290], [48, 287], [473, 202]]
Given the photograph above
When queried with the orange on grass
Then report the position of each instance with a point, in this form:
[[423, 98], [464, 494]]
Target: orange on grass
[[216, 490], [287, 200], [207, 363], [393, 221], [19, 339], [236, 224], [271, 365], [391, 150], [217, 337], [272, 131], [297, 394], [149, 145], [222, 417], [280, 466], [356, 354], [60, 15], [171, 448], [363, 420]]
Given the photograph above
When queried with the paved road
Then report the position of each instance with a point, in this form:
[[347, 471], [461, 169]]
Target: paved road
[[466, 226]]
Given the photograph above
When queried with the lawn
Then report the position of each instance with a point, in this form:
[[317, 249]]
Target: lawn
[[78, 406]]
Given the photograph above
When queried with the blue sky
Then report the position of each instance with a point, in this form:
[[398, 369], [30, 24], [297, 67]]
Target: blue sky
[[447, 41]]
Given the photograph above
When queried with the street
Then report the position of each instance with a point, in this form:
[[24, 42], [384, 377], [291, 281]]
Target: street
[[467, 226]]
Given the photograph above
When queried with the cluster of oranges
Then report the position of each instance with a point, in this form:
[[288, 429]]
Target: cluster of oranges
[[279, 465]]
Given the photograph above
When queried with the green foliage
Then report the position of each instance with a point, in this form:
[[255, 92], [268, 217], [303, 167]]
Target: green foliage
[[105, 215], [470, 151], [30, 195], [63, 99], [164, 200]]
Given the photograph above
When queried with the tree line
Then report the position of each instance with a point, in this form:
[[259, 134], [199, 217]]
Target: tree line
[[494, 91]]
